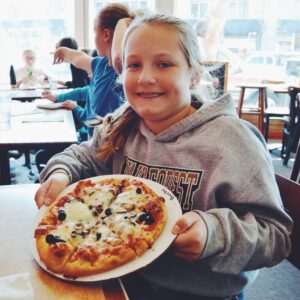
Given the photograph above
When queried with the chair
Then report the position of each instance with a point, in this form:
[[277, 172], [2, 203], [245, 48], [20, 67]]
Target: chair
[[290, 195], [217, 70], [291, 130], [296, 167], [260, 109], [12, 76]]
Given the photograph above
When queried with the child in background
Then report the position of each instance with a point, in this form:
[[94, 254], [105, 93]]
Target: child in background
[[79, 77], [103, 95], [29, 76], [217, 165]]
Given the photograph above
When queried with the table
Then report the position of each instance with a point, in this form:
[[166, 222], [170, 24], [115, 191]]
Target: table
[[33, 129], [17, 213], [27, 95]]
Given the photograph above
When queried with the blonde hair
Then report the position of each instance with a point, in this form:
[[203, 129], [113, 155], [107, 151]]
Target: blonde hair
[[125, 119], [29, 52]]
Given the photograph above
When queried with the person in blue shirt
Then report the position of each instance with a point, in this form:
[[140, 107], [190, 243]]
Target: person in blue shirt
[[104, 94]]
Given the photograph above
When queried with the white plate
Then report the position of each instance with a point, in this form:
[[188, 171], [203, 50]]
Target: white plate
[[56, 105], [161, 244]]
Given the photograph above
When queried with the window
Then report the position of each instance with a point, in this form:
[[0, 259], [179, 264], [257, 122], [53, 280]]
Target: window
[[238, 9], [36, 25], [132, 4], [96, 5], [199, 9]]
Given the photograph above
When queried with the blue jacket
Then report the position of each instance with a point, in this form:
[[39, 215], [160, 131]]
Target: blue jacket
[[102, 96]]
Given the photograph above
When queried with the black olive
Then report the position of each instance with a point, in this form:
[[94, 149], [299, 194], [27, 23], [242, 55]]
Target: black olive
[[142, 217], [98, 236], [149, 219], [61, 215], [108, 211], [138, 190], [51, 239]]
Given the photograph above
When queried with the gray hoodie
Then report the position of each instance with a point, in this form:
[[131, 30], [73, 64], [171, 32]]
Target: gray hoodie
[[218, 165]]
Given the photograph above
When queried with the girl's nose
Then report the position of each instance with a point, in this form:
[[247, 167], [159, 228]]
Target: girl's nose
[[147, 77]]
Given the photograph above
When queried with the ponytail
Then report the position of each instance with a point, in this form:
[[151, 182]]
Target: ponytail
[[116, 127]]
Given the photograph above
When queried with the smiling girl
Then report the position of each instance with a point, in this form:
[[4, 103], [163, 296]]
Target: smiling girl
[[217, 165]]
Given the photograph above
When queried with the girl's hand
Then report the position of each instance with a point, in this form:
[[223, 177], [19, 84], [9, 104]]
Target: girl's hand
[[50, 189], [69, 104], [192, 235], [60, 55], [48, 95]]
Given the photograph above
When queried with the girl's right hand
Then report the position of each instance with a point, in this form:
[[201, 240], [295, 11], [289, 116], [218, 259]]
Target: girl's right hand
[[60, 55], [50, 189]]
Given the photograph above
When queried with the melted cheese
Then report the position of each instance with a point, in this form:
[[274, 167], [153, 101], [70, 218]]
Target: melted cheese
[[78, 212], [123, 226], [64, 231], [96, 197]]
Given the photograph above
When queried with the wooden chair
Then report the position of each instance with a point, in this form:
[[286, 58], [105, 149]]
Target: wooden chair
[[295, 175], [217, 70], [290, 195], [259, 111], [291, 130]]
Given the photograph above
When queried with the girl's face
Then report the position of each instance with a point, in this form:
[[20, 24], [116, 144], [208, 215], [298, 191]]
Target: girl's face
[[157, 76]]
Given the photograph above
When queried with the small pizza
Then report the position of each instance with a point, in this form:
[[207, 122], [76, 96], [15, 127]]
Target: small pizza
[[99, 225]]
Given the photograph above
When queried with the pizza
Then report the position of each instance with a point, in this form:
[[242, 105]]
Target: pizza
[[99, 225]]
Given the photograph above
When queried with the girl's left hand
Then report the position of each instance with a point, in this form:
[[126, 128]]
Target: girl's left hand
[[192, 235], [69, 104]]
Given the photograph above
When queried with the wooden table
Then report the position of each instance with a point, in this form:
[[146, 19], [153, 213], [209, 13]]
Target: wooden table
[[18, 209], [47, 129]]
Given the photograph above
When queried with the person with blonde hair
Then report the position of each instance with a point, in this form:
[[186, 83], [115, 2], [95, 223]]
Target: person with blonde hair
[[217, 166], [29, 75]]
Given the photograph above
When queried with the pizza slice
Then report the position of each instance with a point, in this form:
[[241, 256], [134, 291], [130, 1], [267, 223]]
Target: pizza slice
[[137, 218], [56, 243], [102, 250]]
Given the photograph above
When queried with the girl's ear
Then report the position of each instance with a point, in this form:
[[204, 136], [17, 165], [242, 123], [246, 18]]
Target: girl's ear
[[108, 35], [194, 80]]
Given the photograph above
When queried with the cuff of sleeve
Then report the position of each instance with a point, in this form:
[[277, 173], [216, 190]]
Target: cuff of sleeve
[[215, 242], [77, 109], [45, 174], [59, 98]]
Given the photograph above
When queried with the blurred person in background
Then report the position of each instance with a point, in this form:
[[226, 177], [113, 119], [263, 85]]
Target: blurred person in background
[[80, 78], [29, 75], [104, 94]]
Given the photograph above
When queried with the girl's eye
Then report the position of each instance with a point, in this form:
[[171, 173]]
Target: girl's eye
[[164, 64], [133, 66]]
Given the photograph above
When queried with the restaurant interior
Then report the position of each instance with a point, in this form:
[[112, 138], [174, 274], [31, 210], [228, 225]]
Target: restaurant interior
[[250, 49]]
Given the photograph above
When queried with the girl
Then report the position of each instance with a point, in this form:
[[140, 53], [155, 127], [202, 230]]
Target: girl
[[102, 95], [216, 164], [103, 92]]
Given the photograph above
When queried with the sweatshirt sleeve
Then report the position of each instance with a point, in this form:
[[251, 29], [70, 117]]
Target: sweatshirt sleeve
[[80, 161], [79, 94], [79, 114], [249, 229]]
